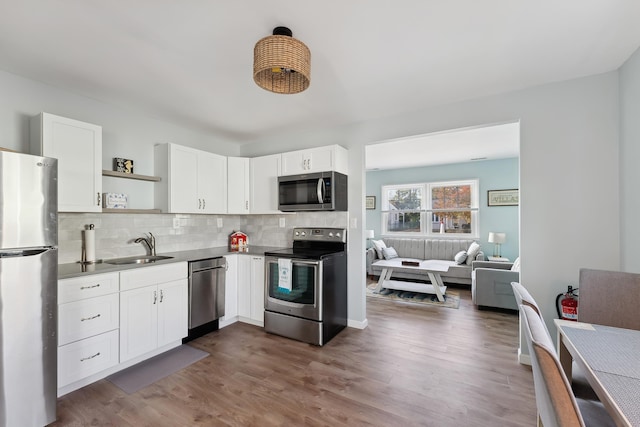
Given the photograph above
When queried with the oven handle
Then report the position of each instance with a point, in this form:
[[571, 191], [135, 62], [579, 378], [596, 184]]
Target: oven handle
[[320, 190], [272, 259]]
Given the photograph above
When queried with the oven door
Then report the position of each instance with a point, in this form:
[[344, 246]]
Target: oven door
[[303, 300]]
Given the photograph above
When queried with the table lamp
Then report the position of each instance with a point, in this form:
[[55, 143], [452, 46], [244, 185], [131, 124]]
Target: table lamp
[[497, 239], [368, 234]]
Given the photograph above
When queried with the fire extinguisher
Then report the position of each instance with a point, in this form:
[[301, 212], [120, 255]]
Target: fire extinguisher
[[567, 304]]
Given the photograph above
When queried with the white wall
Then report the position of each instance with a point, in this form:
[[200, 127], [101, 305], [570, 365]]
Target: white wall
[[568, 173], [629, 155], [125, 133]]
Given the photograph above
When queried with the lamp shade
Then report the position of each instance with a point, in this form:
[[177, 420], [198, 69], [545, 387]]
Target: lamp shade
[[369, 234], [497, 237], [282, 64]]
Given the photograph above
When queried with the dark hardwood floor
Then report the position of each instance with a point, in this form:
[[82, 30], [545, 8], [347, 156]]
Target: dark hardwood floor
[[412, 366]]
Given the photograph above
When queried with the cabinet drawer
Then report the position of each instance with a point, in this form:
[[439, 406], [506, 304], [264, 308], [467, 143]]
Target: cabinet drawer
[[84, 358], [86, 318], [78, 288], [141, 277]]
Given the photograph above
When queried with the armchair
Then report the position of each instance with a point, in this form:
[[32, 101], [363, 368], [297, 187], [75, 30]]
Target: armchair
[[491, 284]]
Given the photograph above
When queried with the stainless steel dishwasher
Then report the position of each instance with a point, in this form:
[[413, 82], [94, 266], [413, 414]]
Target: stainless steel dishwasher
[[206, 295]]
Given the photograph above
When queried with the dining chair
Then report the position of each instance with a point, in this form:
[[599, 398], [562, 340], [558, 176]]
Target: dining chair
[[579, 384], [556, 403], [609, 298]]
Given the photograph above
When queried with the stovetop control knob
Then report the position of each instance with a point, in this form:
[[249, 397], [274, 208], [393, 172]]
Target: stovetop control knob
[[304, 233], [337, 234], [331, 234], [297, 233]]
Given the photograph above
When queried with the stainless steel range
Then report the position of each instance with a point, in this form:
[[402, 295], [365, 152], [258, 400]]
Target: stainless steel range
[[306, 286]]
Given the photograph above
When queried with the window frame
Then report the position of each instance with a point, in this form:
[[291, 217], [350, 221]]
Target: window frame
[[426, 209]]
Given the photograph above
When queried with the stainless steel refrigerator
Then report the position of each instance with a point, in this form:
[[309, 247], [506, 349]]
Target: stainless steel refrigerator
[[28, 289]]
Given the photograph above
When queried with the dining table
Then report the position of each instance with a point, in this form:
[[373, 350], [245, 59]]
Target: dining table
[[609, 358]]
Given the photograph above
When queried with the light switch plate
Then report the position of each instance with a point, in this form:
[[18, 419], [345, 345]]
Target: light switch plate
[[282, 222], [219, 222]]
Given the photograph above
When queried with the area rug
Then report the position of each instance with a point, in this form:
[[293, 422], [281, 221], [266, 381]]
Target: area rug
[[149, 371], [451, 298]]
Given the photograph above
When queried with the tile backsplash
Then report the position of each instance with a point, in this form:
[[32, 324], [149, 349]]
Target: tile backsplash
[[115, 233]]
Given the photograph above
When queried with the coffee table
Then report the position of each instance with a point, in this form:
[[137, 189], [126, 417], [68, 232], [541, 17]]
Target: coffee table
[[433, 268]]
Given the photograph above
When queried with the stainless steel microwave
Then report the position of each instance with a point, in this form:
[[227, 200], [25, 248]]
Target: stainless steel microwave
[[322, 191]]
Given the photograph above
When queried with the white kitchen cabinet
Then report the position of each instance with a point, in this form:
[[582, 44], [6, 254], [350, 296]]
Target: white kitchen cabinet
[[238, 185], [153, 309], [88, 322], [78, 148], [192, 181], [257, 289], [264, 173], [230, 292], [320, 159], [251, 289]]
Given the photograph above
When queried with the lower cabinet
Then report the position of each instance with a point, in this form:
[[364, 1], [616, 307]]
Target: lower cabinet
[[230, 292], [108, 322], [152, 317], [88, 318], [153, 310], [251, 289], [244, 291]]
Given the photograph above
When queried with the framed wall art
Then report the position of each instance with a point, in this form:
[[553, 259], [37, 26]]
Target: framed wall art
[[370, 202], [503, 197]]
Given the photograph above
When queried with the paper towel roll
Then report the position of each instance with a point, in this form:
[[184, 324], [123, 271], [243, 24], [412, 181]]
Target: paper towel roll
[[89, 245]]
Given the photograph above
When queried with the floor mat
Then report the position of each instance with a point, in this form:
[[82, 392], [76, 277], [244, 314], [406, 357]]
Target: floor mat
[[149, 371]]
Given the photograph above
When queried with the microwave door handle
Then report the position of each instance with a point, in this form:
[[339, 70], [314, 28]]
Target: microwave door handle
[[320, 190]]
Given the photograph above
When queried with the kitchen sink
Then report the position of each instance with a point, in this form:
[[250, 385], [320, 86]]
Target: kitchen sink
[[136, 259]]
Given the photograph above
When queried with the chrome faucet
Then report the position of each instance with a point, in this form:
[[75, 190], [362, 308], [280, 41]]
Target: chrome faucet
[[149, 241]]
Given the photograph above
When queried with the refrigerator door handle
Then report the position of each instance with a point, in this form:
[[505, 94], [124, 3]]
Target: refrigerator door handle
[[22, 252]]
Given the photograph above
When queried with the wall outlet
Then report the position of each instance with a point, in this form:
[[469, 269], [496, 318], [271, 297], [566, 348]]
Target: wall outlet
[[282, 222], [219, 222], [176, 222]]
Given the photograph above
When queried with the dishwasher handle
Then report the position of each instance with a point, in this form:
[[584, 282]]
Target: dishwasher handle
[[206, 264]]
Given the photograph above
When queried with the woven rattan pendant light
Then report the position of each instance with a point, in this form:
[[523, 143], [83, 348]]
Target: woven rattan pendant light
[[282, 64]]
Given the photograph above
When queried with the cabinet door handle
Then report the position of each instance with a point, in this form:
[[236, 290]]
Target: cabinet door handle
[[246, 204], [89, 287], [90, 357], [199, 203], [161, 295], [203, 203], [99, 199], [89, 318], [155, 296]]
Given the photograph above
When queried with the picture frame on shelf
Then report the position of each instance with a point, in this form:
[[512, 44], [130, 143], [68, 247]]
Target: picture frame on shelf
[[370, 202], [503, 197]]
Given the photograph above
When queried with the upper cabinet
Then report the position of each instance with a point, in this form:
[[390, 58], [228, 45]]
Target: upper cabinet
[[78, 148], [264, 172], [193, 181], [320, 159], [238, 185]]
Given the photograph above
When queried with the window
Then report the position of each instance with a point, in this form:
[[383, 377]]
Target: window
[[431, 208]]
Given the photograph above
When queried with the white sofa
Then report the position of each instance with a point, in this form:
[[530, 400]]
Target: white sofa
[[424, 249]]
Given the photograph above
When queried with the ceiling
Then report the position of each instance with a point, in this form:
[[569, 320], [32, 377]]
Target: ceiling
[[190, 62], [464, 145]]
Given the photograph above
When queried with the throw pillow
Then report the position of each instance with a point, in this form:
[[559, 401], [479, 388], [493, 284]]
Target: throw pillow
[[389, 253], [472, 252], [378, 245], [460, 257], [516, 265]]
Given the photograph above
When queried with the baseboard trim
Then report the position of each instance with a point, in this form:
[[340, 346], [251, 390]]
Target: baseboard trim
[[357, 324], [524, 359]]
